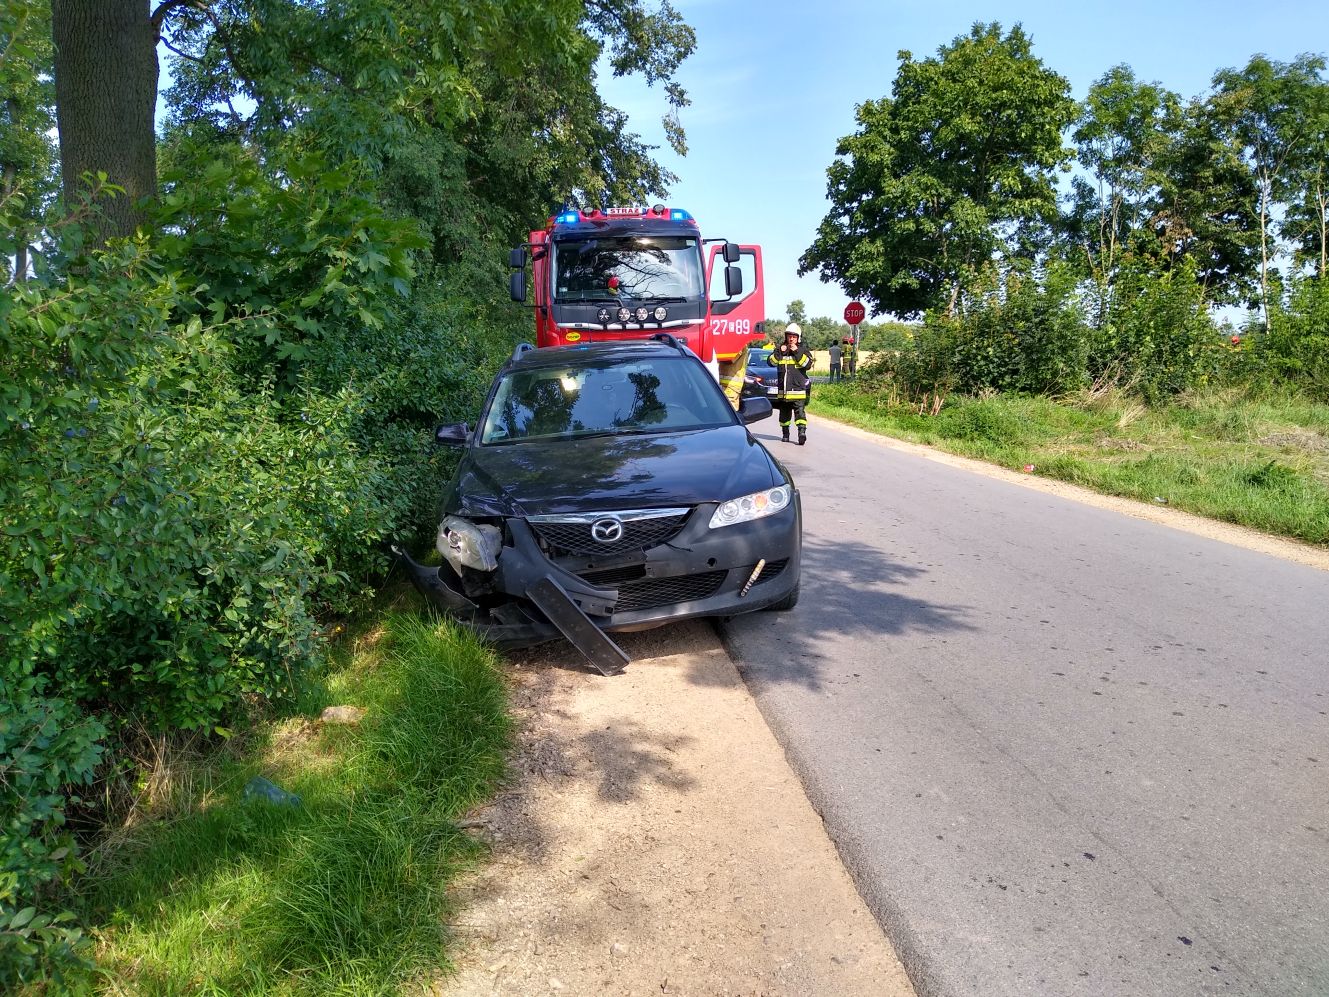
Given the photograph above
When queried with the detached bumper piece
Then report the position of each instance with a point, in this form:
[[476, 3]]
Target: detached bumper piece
[[576, 626], [508, 626]]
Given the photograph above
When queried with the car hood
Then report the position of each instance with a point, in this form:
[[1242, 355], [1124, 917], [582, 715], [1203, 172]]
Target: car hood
[[661, 470]]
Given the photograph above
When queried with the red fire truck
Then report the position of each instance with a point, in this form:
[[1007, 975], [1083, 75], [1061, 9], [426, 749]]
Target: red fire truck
[[625, 273]]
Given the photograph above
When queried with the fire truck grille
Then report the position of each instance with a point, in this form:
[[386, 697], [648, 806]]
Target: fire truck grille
[[564, 539]]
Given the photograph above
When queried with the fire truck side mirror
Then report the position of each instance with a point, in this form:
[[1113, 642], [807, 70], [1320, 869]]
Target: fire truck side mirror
[[517, 258], [517, 285], [733, 281], [731, 252]]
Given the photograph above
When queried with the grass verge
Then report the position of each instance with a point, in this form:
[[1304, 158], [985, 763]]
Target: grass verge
[[345, 893], [1259, 461]]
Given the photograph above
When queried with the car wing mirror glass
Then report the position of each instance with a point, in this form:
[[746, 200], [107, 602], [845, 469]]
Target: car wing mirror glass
[[452, 435]]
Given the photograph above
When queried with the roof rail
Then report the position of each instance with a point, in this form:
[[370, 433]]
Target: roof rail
[[521, 348]]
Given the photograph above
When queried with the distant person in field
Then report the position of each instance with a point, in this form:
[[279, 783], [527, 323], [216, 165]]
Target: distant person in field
[[837, 355]]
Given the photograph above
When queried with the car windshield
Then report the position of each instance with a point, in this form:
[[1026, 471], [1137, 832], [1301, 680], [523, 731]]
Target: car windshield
[[760, 358], [660, 395], [627, 267]]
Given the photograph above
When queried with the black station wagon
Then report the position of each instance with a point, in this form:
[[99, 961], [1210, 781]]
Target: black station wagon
[[611, 487]]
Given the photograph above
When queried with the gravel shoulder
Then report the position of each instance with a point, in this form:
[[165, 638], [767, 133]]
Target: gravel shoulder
[[654, 840]]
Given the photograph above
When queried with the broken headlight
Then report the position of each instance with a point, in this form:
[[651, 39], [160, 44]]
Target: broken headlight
[[466, 544], [754, 506]]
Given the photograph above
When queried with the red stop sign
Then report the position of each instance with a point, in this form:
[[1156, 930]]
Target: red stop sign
[[854, 312]]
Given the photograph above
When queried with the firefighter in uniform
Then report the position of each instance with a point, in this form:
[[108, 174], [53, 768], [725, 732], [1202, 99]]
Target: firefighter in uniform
[[850, 356], [792, 363]]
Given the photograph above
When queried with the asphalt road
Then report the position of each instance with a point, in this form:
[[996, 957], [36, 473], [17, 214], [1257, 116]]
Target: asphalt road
[[1061, 751]]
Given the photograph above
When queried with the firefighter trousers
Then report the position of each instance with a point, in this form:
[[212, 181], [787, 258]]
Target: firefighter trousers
[[793, 412]]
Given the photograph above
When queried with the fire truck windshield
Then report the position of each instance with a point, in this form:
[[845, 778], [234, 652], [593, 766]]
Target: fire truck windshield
[[628, 267]]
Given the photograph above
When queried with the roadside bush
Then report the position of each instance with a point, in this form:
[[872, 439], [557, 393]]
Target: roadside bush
[[1296, 351], [171, 529], [46, 745], [323, 277], [1158, 337], [432, 364], [1017, 331], [925, 366]]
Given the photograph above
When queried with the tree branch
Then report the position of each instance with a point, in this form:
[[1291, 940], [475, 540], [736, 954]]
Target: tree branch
[[159, 15], [180, 52]]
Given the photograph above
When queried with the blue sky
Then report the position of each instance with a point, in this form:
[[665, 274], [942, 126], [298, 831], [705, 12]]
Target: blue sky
[[774, 85]]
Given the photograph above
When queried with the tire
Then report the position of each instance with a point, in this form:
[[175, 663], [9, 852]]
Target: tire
[[787, 603]]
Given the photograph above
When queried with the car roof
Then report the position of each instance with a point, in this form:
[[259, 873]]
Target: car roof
[[587, 353]]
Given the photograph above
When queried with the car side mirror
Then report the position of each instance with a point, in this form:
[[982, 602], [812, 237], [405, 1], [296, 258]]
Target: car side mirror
[[517, 258], [731, 252], [452, 435], [733, 281], [754, 409], [517, 285]]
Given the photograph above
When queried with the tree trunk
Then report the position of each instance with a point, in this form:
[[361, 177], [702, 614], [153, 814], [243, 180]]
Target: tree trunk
[[1323, 203], [106, 96], [1264, 253]]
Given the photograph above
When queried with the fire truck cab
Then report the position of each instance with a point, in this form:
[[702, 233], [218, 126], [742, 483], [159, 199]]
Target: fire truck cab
[[628, 273]]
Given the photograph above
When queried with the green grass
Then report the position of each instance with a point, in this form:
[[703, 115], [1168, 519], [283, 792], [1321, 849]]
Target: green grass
[[1260, 461], [345, 894]]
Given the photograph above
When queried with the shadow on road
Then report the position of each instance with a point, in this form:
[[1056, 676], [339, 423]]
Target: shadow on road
[[851, 592]]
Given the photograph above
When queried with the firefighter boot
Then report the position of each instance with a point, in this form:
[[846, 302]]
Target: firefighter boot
[[784, 434], [802, 436]]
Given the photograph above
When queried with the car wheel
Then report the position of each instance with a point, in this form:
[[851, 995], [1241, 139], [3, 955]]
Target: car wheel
[[788, 602]]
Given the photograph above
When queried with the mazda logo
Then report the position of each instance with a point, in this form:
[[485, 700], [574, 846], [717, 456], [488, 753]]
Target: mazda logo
[[607, 531]]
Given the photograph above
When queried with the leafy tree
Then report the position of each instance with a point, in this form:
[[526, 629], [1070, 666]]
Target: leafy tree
[[949, 170], [357, 78], [797, 312], [819, 332], [27, 115], [1203, 215], [1305, 221], [1270, 110], [1123, 128]]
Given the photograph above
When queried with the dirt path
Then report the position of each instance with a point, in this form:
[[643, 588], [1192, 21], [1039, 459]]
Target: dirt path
[[656, 842]]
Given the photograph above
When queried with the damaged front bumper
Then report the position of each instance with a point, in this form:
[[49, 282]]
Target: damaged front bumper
[[511, 625], [531, 597]]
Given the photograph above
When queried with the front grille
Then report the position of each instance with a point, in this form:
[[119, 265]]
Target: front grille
[[564, 539], [648, 593], [613, 577]]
